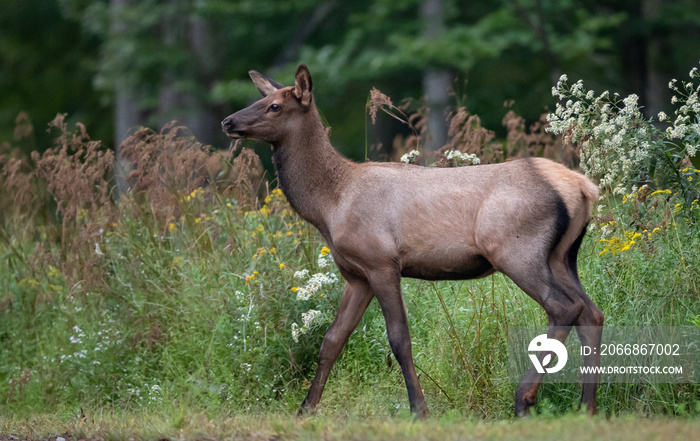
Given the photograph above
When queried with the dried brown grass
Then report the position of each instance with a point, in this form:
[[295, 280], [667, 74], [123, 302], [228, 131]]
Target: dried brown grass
[[467, 134], [64, 198], [167, 166]]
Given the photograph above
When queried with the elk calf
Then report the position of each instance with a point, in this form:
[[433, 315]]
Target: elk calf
[[384, 221]]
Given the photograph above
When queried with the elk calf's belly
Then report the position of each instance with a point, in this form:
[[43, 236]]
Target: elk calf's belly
[[447, 267]]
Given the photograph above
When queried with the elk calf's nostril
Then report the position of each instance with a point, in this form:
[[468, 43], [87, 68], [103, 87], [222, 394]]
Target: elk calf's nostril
[[227, 124]]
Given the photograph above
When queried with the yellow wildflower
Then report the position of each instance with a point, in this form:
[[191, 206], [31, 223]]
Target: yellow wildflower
[[617, 245], [325, 251], [259, 253], [295, 289], [282, 265], [171, 226], [30, 282]]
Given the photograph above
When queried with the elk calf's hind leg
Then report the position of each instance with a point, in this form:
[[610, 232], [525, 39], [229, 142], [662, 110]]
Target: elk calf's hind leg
[[563, 306], [590, 331]]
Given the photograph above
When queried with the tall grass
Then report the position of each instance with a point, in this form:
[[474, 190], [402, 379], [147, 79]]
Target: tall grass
[[183, 294]]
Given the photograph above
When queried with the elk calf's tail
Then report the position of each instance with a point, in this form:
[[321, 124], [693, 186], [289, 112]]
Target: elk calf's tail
[[590, 195], [578, 193]]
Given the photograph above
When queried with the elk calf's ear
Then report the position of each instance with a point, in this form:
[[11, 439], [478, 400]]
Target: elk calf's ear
[[303, 85], [265, 85]]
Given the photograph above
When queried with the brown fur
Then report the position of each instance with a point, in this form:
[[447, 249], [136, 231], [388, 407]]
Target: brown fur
[[383, 221]]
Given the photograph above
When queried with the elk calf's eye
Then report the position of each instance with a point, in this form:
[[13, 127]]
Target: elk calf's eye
[[274, 108]]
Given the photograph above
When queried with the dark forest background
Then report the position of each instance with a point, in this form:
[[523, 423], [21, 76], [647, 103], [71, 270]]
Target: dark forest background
[[118, 64]]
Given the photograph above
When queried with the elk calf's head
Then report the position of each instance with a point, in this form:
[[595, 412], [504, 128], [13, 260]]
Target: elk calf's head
[[279, 113]]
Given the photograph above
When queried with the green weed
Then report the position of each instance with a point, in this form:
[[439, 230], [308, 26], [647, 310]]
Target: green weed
[[202, 291]]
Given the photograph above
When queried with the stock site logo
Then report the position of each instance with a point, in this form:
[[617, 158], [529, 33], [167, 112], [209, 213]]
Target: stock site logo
[[543, 344]]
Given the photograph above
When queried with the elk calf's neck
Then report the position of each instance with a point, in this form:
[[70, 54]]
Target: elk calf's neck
[[524, 218]]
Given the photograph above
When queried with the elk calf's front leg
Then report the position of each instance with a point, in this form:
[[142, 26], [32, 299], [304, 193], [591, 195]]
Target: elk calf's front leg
[[353, 305], [390, 299]]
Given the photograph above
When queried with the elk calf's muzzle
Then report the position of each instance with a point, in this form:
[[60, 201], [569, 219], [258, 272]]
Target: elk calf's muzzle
[[227, 125]]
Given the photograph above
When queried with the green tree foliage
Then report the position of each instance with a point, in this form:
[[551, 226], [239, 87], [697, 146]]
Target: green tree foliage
[[47, 67], [188, 59]]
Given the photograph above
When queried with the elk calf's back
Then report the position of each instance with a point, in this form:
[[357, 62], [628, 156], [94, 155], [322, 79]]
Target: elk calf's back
[[524, 218]]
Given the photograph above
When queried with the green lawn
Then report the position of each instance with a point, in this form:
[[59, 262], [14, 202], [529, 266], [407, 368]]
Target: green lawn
[[286, 427]]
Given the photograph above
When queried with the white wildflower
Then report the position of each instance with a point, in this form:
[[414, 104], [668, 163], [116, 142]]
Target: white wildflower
[[309, 317], [315, 283], [296, 332], [577, 89], [631, 101], [462, 158], [410, 157], [301, 274], [323, 261], [676, 131]]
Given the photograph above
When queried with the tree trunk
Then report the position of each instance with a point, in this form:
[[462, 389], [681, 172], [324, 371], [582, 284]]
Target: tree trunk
[[537, 21], [126, 108], [190, 32], [634, 52], [436, 82]]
